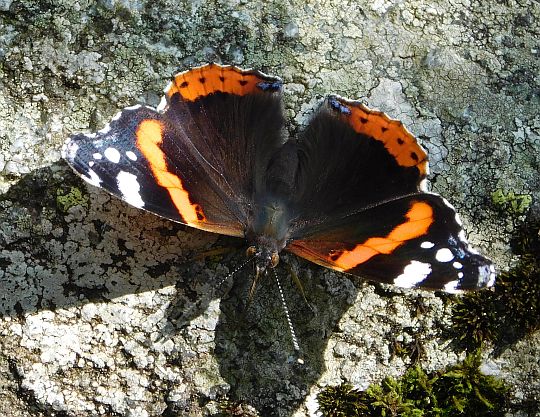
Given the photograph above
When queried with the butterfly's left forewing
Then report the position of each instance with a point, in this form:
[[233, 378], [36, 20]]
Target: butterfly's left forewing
[[414, 241]]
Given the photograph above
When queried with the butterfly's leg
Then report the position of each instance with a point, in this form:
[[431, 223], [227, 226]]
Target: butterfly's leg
[[298, 283]]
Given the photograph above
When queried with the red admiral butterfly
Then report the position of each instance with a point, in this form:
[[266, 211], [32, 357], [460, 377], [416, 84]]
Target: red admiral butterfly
[[348, 194]]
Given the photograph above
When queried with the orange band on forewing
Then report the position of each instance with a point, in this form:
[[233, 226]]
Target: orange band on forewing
[[419, 218], [149, 137]]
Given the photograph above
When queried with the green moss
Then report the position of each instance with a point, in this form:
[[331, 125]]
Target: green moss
[[459, 390], [511, 202], [343, 401], [65, 199], [512, 309]]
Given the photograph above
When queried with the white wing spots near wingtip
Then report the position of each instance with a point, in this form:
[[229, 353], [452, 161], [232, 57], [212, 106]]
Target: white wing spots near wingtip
[[457, 265], [444, 255], [413, 274], [92, 178], [130, 188], [131, 155], [427, 245], [112, 155], [452, 287], [97, 155]]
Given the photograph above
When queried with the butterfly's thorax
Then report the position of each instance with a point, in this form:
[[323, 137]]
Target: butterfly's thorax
[[268, 230]]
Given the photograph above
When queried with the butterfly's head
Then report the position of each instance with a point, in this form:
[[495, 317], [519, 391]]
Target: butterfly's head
[[266, 256]]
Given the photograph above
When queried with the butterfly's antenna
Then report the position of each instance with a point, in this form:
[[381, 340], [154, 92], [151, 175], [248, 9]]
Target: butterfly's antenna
[[286, 310], [205, 297], [233, 272]]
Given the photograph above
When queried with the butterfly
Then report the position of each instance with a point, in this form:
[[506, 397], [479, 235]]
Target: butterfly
[[349, 193]]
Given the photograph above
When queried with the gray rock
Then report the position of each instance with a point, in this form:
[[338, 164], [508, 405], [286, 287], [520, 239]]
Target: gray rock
[[91, 290]]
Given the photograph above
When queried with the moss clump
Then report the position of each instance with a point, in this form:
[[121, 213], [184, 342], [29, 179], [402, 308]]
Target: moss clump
[[459, 390], [343, 401], [511, 202], [512, 310], [65, 199]]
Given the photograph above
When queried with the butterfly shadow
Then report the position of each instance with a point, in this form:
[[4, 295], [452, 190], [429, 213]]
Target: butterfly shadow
[[254, 347], [63, 244]]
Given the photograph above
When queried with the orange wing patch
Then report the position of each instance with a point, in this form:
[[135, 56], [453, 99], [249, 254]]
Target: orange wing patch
[[149, 137], [397, 139], [212, 78], [419, 218]]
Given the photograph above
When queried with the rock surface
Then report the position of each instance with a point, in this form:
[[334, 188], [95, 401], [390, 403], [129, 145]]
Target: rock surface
[[104, 310]]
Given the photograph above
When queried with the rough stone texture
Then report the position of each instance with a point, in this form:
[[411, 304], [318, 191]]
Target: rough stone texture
[[104, 310]]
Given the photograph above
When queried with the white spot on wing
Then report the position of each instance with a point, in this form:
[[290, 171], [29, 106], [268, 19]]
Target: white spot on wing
[[117, 116], [97, 155], [112, 155], [92, 178], [91, 164], [129, 187], [413, 274], [472, 250], [163, 103], [452, 287], [457, 265], [135, 107], [131, 155], [491, 280], [105, 130], [444, 255], [427, 245]]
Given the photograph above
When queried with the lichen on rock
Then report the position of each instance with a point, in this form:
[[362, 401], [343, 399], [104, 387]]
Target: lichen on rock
[[91, 289]]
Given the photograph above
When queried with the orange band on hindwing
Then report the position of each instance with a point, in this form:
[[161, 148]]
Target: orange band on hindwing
[[149, 136], [398, 141]]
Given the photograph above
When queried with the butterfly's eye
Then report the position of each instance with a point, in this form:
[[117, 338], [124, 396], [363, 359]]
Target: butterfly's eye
[[251, 251], [274, 259]]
